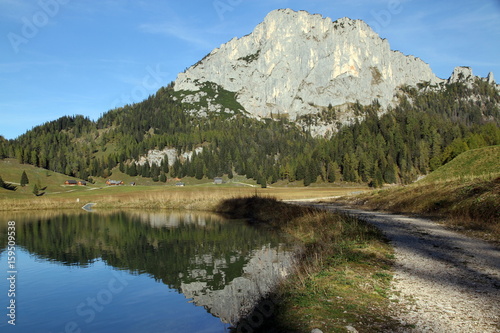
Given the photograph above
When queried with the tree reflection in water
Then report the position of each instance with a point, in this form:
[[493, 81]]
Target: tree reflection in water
[[222, 265]]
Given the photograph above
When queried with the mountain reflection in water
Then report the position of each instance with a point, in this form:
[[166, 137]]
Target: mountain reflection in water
[[223, 265]]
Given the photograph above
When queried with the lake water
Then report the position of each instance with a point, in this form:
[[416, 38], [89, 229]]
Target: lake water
[[134, 271]]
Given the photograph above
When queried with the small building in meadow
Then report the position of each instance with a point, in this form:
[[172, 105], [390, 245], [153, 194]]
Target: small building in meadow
[[72, 182], [218, 180], [180, 184], [114, 182]]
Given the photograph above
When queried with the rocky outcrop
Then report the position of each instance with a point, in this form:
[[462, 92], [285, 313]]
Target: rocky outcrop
[[171, 154], [490, 78], [296, 63], [461, 74]]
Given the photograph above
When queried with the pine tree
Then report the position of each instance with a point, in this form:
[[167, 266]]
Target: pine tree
[[330, 172], [35, 190], [163, 178], [24, 179], [132, 170], [154, 170], [378, 180], [164, 164], [145, 170], [300, 171], [177, 169], [198, 169]]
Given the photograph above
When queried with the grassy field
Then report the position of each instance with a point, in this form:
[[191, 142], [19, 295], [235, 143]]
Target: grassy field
[[11, 171], [483, 162], [197, 194], [344, 272]]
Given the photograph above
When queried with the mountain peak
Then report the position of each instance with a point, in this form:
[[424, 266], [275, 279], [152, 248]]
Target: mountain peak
[[297, 63]]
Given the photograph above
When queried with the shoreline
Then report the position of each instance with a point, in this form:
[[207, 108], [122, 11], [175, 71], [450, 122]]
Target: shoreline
[[342, 279]]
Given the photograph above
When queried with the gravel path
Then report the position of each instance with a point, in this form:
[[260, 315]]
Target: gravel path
[[443, 281]]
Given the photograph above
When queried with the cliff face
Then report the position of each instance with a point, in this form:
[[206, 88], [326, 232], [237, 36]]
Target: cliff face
[[296, 63]]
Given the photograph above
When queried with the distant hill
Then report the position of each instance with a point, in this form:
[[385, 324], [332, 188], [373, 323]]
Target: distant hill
[[11, 171], [473, 163]]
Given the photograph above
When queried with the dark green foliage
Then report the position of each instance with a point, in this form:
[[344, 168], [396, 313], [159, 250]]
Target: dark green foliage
[[3, 148], [145, 170], [132, 169], [163, 178], [251, 57], [24, 179], [330, 172]]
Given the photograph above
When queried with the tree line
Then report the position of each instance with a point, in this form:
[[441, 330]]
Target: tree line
[[427, 128]]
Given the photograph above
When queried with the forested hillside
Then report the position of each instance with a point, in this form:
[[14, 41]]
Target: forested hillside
[[428, 128]]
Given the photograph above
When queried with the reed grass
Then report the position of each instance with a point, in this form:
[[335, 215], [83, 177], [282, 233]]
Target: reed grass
[[157, 197]]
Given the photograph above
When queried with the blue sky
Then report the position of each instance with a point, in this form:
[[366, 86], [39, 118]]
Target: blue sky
[[67, 57]]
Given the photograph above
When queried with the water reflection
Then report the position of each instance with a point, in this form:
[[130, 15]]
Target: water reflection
[[260, 274], [222, 265]]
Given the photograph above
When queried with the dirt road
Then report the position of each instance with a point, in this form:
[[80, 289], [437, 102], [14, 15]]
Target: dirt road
[[443, 281]]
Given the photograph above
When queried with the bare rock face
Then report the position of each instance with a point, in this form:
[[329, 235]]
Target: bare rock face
[[461, 74], [490, 78], [296, 63]]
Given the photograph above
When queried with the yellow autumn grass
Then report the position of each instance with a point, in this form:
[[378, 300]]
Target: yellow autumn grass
[[157, 197], [471, 204]]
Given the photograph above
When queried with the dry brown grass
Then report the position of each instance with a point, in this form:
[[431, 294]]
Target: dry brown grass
[[472, 205], [156, 197]]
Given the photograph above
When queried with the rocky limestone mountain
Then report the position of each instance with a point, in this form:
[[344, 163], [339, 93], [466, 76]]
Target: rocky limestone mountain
[[296, 63]]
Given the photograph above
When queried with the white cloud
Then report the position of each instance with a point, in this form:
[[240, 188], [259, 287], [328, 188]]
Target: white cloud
[[176, 30]]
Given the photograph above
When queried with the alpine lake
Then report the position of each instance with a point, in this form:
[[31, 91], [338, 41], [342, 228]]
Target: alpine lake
[[133, 271]]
